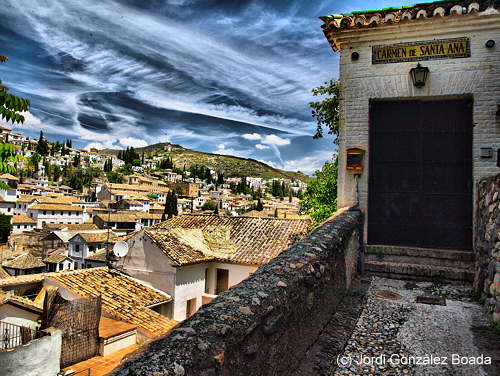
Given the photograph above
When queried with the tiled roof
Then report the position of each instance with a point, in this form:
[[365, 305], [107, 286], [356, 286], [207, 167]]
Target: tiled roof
[[99, 237], [22, 280], [144, 215], [19, 218], [58, 207], [117, 217], [122, 296], [110, 328], [393, 15], [24, 261], [20, 301], [3, 273], [57, 256], [99, 255], [8, 177], [233, 239], [80, 226]]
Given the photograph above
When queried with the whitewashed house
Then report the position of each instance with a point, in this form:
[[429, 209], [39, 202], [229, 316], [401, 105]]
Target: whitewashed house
[[55, 213], [85, 244], [195, 257]]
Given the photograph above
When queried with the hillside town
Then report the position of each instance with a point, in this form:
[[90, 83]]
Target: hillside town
[[136, 256], [191, 234]]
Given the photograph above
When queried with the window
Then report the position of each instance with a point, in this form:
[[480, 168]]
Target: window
[[190, 307], [77, 248], [207, 291], [53, 212], [69, 213], [44, 212]]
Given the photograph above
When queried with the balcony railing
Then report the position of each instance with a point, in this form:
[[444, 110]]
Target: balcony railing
[[12, 335]]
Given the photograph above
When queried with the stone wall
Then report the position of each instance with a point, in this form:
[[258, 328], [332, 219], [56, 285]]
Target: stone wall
[[39, 357], [266, 323], [487, 244]]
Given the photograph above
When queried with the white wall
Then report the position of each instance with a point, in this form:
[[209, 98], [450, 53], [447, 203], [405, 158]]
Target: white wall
[[361, 80], [18, 316], [190, 283]]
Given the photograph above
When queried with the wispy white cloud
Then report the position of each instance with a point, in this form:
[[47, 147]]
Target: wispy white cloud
[[251, 136], [132, 141], [261, 147], [272, 139]]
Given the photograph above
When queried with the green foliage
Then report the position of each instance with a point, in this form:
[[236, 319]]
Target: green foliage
[[114, 177], [320, 198], [259, 206], [108, 165], [8, 154], [209, 205], [130, 156], [166, 163], [170, 206], [5, 228], [82, 177], [126, 169], [42, 147], [11, 105], [76, 160], [327, 111]]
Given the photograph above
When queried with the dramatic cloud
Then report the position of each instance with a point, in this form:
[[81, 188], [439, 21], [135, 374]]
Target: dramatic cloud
[[132, 141], [198, 73]]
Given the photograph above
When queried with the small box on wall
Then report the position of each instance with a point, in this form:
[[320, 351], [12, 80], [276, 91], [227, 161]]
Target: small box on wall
[[355, 159]]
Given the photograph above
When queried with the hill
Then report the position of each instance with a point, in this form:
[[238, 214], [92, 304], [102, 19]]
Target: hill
[[231, 166]]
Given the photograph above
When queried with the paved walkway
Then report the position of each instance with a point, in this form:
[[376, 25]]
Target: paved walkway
[[395, 335], [100, 365]]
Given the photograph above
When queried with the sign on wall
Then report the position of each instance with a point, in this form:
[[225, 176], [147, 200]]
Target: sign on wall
[[422, 50]]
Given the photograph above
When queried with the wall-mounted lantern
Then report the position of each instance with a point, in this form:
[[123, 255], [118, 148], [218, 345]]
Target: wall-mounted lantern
[[419, 75], [354, 161]]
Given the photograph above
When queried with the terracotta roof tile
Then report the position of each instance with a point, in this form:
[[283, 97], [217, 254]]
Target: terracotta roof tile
[[122, 296], [244, 240], [21, 219], [337, 23], [99, 237], [24, 261], [59, 207], [117, 217]]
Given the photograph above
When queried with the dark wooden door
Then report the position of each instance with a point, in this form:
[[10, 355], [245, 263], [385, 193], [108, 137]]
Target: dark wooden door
[[420, 174], [222, 281]]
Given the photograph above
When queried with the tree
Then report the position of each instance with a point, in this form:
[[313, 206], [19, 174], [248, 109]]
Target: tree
[[216, 211], [11, 105], [42, 147], [170, 206], [114, 177], [320, 198], [76, 160], [259, 206], [5, 228], [209, 205], [276, 213], [327, 111]]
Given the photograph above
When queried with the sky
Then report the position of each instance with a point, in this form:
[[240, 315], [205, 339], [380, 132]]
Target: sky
[[221, 76]]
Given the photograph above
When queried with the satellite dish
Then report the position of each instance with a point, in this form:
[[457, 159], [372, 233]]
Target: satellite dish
[[120, 249]]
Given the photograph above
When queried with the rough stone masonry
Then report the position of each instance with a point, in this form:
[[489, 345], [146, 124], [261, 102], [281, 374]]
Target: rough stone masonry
[[266, 323], [487, 244]]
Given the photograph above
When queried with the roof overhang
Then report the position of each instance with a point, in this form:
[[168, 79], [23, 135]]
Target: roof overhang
[[339, 28]]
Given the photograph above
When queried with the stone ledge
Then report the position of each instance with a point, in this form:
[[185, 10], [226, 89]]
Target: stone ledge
[[263, 325]]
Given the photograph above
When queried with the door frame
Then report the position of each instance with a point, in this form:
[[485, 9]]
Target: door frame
[[369, 162]]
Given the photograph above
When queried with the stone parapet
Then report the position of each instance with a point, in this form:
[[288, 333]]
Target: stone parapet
[[487, 244], [265, 324]]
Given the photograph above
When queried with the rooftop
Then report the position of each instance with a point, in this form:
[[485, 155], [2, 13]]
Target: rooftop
[[122, 296], [188, 239], [419, 12], [24, 261], [20, 218]]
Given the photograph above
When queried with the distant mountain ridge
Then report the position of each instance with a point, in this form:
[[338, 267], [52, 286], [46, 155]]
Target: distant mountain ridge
[[231, 165]]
